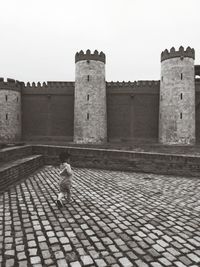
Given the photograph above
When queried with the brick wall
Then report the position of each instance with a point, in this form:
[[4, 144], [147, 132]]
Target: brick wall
[[48, 111], [13, 153], [123, 160], [133, 111], [13, 172], [197, 109], [10, 116]]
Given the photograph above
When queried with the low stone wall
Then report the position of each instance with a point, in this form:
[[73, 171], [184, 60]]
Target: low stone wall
[[14, 171], [159, 163], [13, 153]]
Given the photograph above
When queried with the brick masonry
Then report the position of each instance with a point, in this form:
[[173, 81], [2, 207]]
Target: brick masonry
[[177, 101], [10, 117], [14, 171], [48, 111], [13, 153], [90, 115], [186, 165], [132, 107]]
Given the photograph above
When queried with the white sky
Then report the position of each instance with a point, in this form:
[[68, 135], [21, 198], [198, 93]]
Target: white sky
[[39, 38]]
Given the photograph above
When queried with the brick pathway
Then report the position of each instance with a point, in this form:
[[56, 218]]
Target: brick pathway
[[114, 219]]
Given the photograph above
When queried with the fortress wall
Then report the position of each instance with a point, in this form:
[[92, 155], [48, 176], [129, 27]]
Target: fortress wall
[[10, 115], [132, 110], [48, 111], [197, 109]]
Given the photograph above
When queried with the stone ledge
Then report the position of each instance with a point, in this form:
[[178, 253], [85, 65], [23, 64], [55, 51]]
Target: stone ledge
[[14, 171], [14, 153]]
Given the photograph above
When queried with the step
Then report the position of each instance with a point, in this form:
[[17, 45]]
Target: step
[[13, 171], [14, 153]]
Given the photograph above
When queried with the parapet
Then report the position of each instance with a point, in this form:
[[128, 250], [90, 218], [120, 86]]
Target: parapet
[[189, 52], [133, 84], [197, 70], [10, 84], [89, 56], [49, 84]]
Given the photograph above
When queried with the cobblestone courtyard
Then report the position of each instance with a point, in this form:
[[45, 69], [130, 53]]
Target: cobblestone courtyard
[[114, 219]]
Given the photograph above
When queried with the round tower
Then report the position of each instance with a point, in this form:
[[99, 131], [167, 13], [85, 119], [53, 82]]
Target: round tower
[[90, 118], [10, 116], [177, 97]]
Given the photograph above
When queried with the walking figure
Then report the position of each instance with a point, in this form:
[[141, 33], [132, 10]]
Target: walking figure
[[66, 174]]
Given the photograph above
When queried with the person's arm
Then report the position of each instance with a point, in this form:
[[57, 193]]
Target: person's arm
[[66, 170]]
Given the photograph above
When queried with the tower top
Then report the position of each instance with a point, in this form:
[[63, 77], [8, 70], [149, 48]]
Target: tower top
[[89, 56], [189, 52]]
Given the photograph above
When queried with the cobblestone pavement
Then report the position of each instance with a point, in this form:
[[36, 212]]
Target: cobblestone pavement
[[114, 219]]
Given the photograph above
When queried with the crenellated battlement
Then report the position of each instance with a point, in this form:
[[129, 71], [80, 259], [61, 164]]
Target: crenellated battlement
[[49, 84], [189, 52], [10, 84], [133, 84], [89, 56]]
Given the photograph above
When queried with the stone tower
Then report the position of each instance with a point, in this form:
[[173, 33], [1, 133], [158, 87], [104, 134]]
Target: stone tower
[[10, 117], [177, 97], [90, 117]]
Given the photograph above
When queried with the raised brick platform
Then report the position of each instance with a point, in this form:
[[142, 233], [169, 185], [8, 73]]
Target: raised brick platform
[[14, 171], [13, 153]]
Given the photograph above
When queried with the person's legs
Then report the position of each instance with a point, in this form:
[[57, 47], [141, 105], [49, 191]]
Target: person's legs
[[59, 199], [68, 194]]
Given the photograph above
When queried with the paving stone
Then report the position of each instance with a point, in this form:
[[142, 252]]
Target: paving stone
[[156, 264], [32, 243], [23, 263], [109, 259], [100, 263], [46, 254], [194, 257], [179, 264], [33, 251], [87, 260], [141, 263], [64, 240], [125, 262], [59, 255], [75, 264], [21, 256], [9, 252], [106, 221], [165, 261], [10, 263], [35, 260], [62, 263]]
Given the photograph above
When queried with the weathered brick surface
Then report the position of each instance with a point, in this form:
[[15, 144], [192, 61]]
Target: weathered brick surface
[[13, 153], [111, 217], [90, 115], [14, 171], [10, 119], [124, 160], [48, 111], [177, 101]]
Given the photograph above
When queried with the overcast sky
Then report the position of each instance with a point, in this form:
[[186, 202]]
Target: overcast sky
[[39, 38]]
